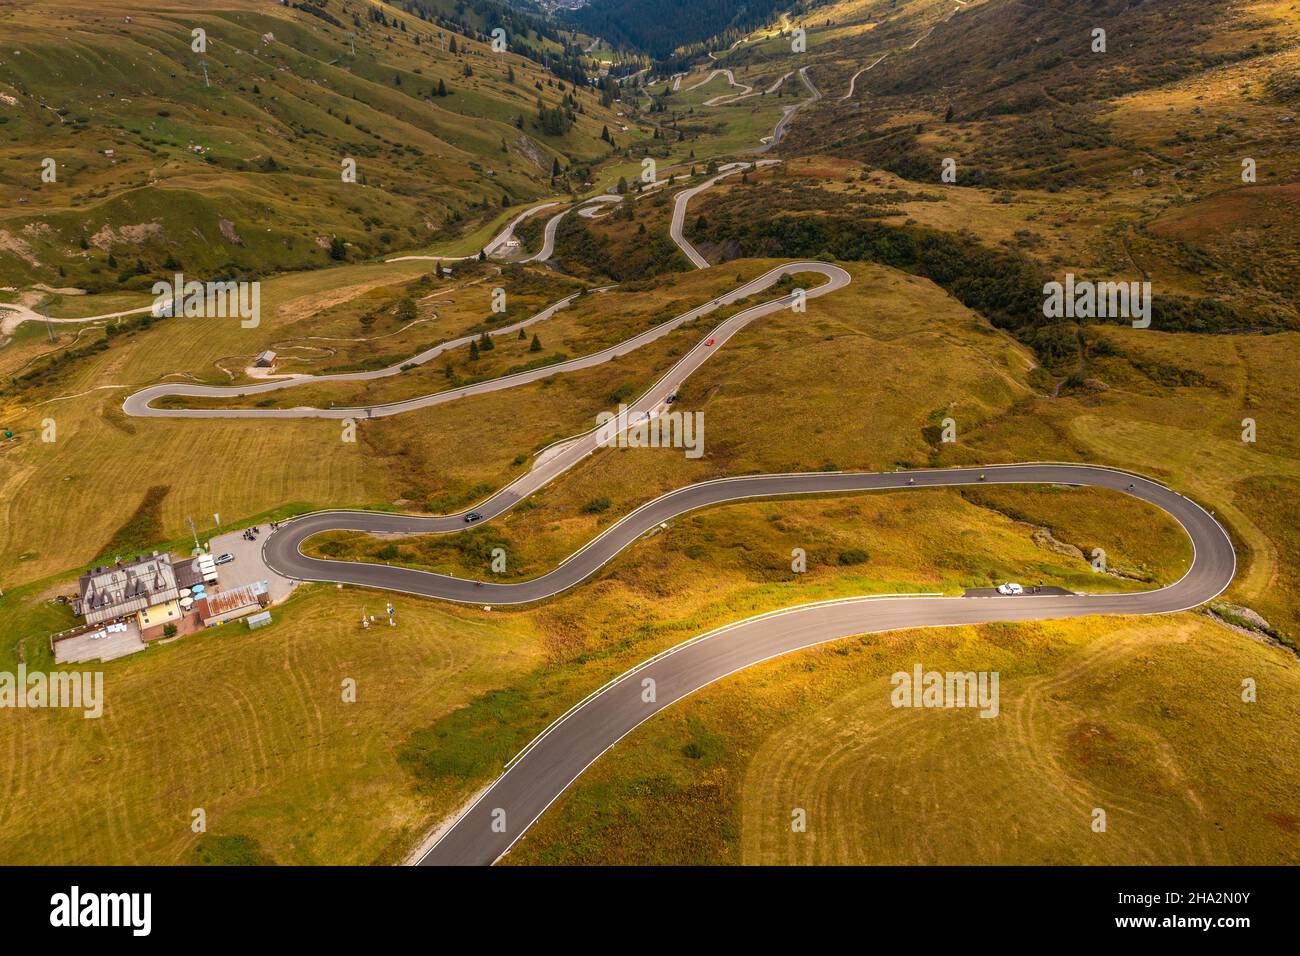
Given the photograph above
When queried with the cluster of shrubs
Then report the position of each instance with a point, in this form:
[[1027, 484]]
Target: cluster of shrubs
[[1004, 286], [49, 369], [645, 257]]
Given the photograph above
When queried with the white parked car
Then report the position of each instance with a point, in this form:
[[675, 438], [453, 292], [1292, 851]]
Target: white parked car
[[1010, 588]]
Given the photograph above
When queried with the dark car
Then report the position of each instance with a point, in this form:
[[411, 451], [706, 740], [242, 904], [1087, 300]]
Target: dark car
[[473, 516]]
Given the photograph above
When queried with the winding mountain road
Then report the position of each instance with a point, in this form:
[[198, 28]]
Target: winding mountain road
[[494, 245], [139, 404], [683, 199], [784, 121], [722, 71], [853, 80], [537, 777], [729, 99], [552, 224], [13, 315]]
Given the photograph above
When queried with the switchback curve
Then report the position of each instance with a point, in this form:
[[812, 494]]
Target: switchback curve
[[558, 756]]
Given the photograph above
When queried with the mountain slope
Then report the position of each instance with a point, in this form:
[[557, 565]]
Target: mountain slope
[[246, 161], [659, 28]]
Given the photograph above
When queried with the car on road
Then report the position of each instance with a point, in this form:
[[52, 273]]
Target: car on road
[[225, 558], [472, 517], [708, 343], [1010, 588]]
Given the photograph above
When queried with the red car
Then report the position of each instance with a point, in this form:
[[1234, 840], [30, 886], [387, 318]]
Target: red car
[[709, 342]]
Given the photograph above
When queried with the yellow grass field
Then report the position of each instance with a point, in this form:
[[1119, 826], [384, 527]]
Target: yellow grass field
[[1137, 176], [1143, 719], [868, 367], [251, 727], [887, 356]]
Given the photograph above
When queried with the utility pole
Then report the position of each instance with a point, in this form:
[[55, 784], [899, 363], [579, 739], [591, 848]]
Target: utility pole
[[194, 531], [204, 64], [352, 39]]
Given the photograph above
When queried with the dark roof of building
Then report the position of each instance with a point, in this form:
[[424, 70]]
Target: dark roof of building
[[188, 573], [125, 587]]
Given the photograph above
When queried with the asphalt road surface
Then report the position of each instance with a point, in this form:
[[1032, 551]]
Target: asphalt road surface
[[548, 234], [139, 404], [730, 99], [854, 78], [781, 124], [281, 549], [555, 759], [548, 238], [683, 199], [494, 245]]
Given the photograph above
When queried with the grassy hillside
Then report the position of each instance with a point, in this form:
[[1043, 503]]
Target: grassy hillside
[[1143, 145], [1065, 159], [1140, 718], [283, 767], [659, 29], [240, 172], [1123, 167], [452, 692]]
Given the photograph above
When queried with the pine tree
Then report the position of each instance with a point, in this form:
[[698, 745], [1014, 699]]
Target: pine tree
[[537, 344], [473, 351]]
